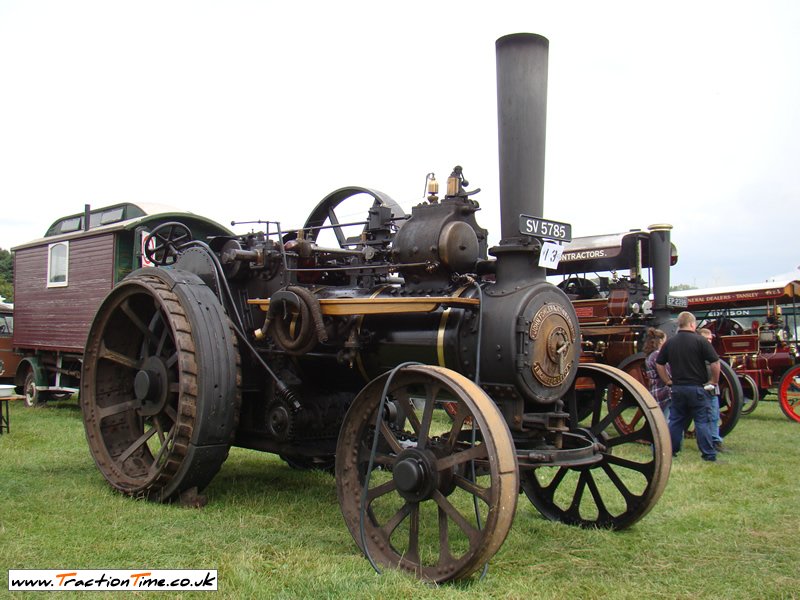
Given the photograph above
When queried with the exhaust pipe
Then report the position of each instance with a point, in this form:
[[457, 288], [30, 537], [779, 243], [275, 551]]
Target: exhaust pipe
[[660, 262], [522, 115]]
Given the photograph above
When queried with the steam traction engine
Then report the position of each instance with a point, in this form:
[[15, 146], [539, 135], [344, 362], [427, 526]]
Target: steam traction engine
[[615, 312], [437, 382]]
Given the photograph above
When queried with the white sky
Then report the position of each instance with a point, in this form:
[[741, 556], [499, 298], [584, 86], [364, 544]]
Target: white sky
[[686, 112]]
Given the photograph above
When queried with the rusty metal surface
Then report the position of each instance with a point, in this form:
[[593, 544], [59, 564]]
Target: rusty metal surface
[[159, 389]]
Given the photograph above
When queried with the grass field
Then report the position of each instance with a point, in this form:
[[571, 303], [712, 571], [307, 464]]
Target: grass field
[[719, 531]]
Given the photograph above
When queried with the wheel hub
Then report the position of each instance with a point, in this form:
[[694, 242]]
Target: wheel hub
[[415, 475], [150, 386]]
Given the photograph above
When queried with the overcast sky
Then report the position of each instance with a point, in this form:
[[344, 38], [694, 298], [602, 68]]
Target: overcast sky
[[679, 112]]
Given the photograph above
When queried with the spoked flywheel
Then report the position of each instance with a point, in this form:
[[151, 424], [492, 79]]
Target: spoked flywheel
[[160, 385], [442, 490], [634, 465]]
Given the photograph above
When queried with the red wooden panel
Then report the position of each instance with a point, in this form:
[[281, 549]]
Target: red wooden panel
[[739, 344], [59, 318]]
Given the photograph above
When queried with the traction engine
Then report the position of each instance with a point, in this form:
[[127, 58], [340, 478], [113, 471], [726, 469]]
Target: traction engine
[[433, 375]]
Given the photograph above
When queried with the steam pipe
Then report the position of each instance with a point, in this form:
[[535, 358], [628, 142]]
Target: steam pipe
[[522, 113]]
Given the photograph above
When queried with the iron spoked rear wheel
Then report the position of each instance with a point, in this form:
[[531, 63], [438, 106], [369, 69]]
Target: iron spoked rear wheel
[[789, 393], [437, 505], [634, 466], [160, 385]]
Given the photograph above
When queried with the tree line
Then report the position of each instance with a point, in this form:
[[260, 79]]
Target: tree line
[[6, 275]]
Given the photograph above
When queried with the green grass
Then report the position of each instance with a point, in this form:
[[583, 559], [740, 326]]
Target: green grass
[[719, 531]]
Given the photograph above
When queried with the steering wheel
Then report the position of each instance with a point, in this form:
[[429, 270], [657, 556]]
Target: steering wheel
[[723, 326], [161, 246], [580, 287]]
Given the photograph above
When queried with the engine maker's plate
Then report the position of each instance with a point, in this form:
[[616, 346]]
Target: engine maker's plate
[[553, 336]]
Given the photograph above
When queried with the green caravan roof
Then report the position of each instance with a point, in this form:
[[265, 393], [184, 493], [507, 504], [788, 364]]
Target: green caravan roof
[[122, 216]]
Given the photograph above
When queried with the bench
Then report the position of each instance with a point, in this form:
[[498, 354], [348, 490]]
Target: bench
[[4, 418]]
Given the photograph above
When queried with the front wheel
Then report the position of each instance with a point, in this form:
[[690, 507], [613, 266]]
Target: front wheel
[[434, 491], [751, 393]]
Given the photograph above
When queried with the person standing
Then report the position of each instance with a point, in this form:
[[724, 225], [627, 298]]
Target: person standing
[[687, 354], [654, 339], [709, 337]]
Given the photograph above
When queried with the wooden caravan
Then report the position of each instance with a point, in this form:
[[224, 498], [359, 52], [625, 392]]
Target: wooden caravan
[[60, 280]]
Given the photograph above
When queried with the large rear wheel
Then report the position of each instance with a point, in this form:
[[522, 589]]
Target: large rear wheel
[[441, 490], [160, 385]]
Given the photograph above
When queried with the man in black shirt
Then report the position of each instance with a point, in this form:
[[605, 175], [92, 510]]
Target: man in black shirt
[[687, 354]]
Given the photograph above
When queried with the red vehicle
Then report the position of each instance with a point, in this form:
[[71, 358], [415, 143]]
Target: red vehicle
[[60, 280], [764, 355], [619, 286], [8, 358]]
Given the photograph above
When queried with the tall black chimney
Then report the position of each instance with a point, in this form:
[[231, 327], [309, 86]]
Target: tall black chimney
[[660, 262], [522, 114]]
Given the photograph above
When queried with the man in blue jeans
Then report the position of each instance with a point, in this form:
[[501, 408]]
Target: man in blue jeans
[[709, 337], [687, 354]]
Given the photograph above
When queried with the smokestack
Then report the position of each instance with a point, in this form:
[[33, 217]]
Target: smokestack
[[660, 259], [522, 112]]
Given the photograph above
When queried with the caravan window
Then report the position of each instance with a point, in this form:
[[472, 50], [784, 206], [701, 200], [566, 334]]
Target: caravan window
[[6, 324], [57, 264]]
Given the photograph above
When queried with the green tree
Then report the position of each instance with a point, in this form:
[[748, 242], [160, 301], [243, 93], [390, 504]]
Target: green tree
[[6, 275], [6, 291], [681, 287]]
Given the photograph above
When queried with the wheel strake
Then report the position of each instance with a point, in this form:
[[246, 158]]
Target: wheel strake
[[160, 385], [420, 515], [626, 483]]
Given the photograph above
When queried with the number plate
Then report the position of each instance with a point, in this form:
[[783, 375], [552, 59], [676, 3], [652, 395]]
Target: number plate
[[542, 228], [677, 302]]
